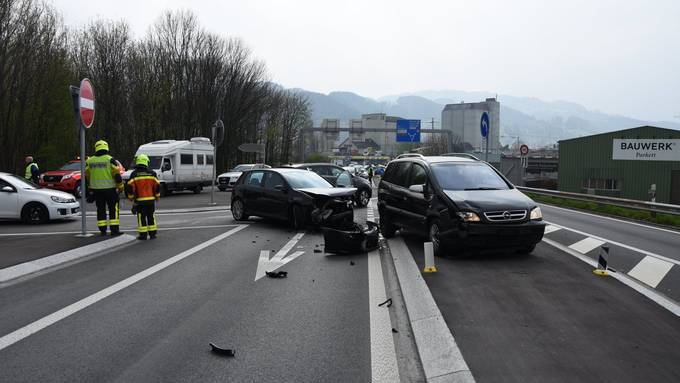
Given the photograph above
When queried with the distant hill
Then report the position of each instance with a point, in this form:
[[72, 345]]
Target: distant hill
[[535, 121]]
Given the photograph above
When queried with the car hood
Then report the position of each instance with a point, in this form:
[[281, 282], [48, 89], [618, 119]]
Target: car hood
[[50, 192], [490, 200], [230, 174], [60, 172], [329, 192]]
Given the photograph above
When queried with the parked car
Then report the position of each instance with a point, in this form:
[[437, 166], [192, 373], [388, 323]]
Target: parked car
[[24, 200], [296, 195], [457, 203], [179, 165], [226, 181], [332, 173], [67, 177]]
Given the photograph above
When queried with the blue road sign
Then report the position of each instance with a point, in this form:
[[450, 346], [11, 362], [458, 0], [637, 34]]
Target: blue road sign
[[484, 124], [408, 130]]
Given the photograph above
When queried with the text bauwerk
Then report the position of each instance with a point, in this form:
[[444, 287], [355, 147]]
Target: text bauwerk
[[646, 149]]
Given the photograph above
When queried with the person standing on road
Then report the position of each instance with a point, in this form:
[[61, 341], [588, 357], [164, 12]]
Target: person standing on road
[[104, 182], [143, 189], [32, 171], [370, 175]]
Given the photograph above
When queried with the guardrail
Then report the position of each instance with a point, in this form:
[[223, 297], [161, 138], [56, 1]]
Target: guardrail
[[654, 207]]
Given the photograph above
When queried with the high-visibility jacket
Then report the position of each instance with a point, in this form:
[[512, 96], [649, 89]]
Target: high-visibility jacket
[[29, 170], [143, 185], [102, 173]]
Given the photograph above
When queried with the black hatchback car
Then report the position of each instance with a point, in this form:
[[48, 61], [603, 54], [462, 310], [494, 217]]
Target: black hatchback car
[[333, 173], [296, 195], [458, 203]]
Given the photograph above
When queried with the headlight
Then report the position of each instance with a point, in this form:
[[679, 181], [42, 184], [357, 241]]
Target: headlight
[[536, 213], [67, 176], [62, 200], [468, 216]]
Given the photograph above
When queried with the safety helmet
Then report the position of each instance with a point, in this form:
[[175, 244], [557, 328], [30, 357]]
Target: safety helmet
[[142, 159], [101, 145]]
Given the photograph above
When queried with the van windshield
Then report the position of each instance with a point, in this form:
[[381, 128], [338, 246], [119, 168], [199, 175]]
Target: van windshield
[[154, 162], [468, 176]]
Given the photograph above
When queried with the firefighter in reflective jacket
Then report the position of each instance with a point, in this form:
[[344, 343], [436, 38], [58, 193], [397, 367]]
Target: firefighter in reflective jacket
[[143, 189], [104, 182]]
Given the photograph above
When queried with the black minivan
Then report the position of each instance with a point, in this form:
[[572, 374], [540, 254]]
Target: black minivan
[[458, 202]]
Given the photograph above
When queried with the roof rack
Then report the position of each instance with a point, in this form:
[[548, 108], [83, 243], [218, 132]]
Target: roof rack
[[462, 155], [408, 155]]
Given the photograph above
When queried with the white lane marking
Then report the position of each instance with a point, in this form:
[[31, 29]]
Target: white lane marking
[[586, 245], [383, 356], [612, 219], [264, 263], [69, 310], [31, 267], [125, 230], [659, 299], [645, 252], [550, 228], [650, 270], [370, 214]]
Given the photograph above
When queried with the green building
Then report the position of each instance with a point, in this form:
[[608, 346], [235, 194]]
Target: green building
[[627, 163]]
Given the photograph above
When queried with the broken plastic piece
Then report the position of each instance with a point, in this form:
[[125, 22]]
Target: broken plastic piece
[[317, 250], [388, 302], [274, 274], [394, 330], [221, 351], [354, 239], [351, 263]]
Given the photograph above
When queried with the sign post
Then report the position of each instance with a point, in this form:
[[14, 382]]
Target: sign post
[[83, 105], [217, 132], [484, 127], [523, 151]]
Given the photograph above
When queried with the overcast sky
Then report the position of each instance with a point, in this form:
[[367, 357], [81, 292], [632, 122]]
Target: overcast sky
[[617, 56]]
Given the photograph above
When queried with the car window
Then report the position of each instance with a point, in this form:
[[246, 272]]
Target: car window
[[242, 168], [209, 159], [335, 172], [321, 170], [418, 175], [186, 159], [305, 179], [401, 174], [272, 180], [4, 183], [344, 180], [254, 178], [22, 183], [199, 159], [166, 163], [71, 166], [154, 162], [468, 176]]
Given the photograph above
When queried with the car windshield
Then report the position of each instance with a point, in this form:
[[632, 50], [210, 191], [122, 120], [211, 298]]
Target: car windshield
[[22, 183], [242, 168], [155, 162], [305, 179], [71, 166], [468, 176]]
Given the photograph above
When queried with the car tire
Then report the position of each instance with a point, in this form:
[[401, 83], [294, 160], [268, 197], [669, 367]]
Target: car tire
[[433, 231], [76, 191], [197, 189], [387, 229], [363, 197], [35, 213], [297, 217], [238, 210], [526, 250]]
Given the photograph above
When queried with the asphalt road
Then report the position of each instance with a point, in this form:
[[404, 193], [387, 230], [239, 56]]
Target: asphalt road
[[312, 326]]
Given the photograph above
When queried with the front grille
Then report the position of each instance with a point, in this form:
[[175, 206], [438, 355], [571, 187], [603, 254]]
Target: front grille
[[224, 180], [52, 178], [506, 215]]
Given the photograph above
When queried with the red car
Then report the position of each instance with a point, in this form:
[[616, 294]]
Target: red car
[[67, 178]]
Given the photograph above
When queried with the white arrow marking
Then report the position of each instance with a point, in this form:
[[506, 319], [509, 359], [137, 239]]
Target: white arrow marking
[[264, 263]]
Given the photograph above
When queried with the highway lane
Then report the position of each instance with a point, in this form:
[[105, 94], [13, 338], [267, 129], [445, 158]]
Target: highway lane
[[546, 317], [661, 241], [311, 326]]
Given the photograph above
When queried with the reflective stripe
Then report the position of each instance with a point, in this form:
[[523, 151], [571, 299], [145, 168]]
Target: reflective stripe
[[146, 178], [101, 223], [143, 229], [146, 198], [29, 171], [114, 222], [153, 228]]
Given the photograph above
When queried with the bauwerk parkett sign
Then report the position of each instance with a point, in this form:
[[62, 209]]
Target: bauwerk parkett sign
[[646, 149]]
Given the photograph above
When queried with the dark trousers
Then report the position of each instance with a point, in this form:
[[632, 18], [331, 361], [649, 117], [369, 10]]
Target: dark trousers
[[107, 198], [146, 219]]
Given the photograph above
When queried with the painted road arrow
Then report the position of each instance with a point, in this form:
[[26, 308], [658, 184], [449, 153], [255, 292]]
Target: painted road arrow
[[279, 259]]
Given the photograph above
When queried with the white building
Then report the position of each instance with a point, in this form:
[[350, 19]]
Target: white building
[[464, 121]]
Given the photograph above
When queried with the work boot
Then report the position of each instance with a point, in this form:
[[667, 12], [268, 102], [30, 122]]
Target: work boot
[[152, 235], [142, 237], [115, 231], [102, 231]]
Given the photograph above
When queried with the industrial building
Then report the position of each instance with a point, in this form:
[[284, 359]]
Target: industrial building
[[639, 163], [463, 120]]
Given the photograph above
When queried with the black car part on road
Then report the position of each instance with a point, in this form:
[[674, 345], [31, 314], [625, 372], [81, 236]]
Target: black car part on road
[[353, 239]]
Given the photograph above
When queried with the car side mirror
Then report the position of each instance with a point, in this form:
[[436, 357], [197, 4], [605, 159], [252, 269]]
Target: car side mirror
[[417, 188], [281, 188]]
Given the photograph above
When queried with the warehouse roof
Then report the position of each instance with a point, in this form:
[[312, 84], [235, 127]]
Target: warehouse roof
[[631, 131]]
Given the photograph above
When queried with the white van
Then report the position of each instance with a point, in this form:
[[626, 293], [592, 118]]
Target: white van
[[180, 165]]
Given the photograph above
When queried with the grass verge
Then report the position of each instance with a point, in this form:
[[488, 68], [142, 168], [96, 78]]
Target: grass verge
[[662, 219]]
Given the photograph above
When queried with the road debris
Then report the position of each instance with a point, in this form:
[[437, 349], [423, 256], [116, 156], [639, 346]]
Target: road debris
[[388, 302], [277, 274], [221, 351]]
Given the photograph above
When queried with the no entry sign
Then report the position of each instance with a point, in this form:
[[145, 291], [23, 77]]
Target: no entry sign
[[86, 103], [524, 150]]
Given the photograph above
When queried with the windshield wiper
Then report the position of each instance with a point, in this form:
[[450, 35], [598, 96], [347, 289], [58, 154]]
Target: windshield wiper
[[481, 189]]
